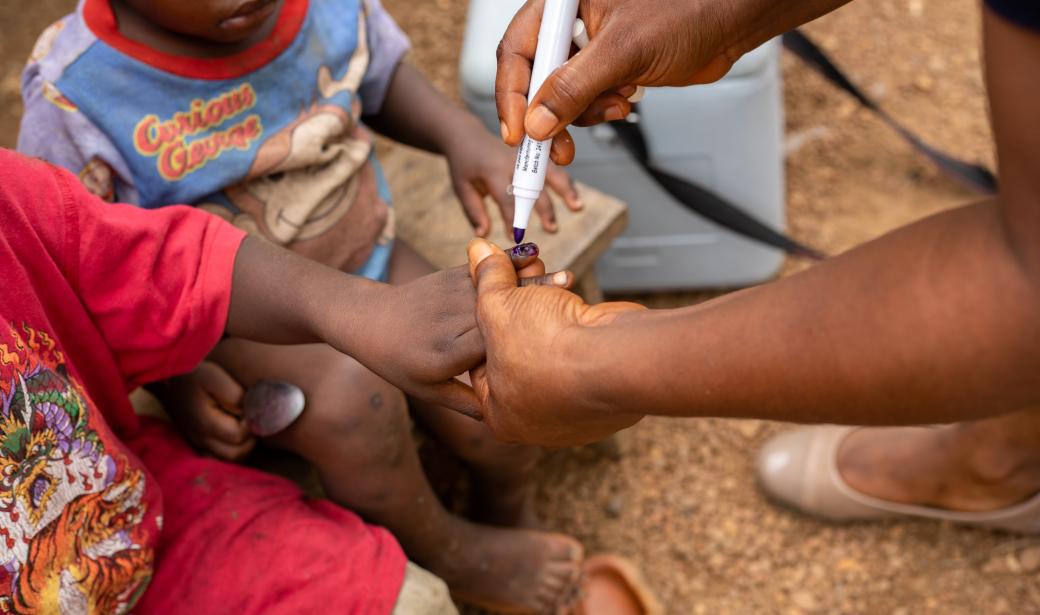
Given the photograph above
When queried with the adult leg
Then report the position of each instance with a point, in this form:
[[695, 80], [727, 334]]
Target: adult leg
[[973, 467]]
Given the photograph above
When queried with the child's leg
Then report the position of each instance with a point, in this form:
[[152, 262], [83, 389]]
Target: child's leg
[[503, 472], [356, 432]]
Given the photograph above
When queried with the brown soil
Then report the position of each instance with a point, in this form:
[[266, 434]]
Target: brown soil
[[681, 500]]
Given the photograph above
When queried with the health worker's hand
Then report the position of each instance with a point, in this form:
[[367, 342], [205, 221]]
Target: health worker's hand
[[633, 43], [533, 387]]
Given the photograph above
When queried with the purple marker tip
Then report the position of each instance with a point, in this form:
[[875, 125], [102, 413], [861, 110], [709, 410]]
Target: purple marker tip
[[518, 234]]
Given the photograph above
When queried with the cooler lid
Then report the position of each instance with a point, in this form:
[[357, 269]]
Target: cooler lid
[[487, 22]]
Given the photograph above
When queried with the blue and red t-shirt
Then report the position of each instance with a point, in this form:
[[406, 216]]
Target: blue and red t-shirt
[[270, 138]]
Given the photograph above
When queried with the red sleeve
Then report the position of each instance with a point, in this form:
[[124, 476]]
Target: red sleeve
[[157, 283]]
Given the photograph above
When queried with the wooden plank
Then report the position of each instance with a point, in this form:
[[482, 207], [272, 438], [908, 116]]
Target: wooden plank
[[430, 219]]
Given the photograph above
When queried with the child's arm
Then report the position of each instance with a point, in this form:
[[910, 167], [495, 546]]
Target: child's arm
[[418, 336], [417, 114]]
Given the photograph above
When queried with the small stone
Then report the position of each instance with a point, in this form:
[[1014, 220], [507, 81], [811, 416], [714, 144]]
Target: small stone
[[994, 565], [1029, 559], [805, 601], [1012, 564], [749, 429], [614, 507]]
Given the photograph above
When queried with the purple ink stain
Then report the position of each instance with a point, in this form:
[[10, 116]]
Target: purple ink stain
[[518, 234], [524, 250]]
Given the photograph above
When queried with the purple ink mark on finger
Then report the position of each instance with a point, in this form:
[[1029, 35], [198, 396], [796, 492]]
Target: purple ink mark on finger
[[518, 234], [524, 250]]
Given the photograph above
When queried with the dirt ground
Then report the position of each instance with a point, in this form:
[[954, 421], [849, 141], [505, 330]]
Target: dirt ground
[[681, 500]]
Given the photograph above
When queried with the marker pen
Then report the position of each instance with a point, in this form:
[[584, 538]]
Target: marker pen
[[554, 41], [554, 47]]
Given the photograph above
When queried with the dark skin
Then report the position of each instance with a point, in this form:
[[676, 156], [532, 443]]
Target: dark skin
[[280, 298], [666, 43], [356, 426], [933, 323]]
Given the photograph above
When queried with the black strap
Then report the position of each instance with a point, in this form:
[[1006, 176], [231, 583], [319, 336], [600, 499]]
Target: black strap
[[703, 201], [726, 214], [973, 176]]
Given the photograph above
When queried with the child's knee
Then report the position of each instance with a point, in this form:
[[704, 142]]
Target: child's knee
[[351, 411]]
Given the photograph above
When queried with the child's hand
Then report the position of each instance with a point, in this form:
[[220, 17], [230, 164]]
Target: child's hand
[[205, 406], [481, 166]]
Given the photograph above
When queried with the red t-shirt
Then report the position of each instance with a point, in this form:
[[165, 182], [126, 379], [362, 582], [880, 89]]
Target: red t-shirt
[[96, 299]]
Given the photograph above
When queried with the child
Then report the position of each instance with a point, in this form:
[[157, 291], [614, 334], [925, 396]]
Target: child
[[86, 527], [251, 110]]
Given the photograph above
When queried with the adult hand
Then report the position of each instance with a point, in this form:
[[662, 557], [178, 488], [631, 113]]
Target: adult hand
[[634, 42], [531, 387], [421, 335]]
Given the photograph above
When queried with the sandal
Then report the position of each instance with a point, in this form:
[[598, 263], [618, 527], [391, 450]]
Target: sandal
[[613, 586]]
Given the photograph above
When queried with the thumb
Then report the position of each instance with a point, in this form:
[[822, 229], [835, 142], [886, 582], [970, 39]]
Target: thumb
[[490, 268], [569, 91]]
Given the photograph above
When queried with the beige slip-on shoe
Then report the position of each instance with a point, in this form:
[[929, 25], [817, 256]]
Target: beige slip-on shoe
[[800, 468]]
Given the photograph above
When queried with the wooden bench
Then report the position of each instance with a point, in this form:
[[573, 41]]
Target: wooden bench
[[430, 219]]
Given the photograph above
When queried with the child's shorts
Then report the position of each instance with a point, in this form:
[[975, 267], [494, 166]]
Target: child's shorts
[[237, 540]]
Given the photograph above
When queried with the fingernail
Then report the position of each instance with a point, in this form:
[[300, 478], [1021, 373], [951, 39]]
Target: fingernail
[[560, 279], [479, 249], [627, 91], [524, 250], [614, 114], [505, 131], [541, 122]]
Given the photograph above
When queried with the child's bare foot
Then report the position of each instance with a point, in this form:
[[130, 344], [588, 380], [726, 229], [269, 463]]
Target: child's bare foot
[[507, 570], [505, 503]]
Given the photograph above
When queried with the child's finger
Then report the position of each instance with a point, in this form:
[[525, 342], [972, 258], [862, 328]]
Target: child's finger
[[560, 279], [220, 386], [228, 452], [459, 397], [504, 200], [544, 207], [534, 269], [563, 184], [475, 208], [523, 255], [226, 428]]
